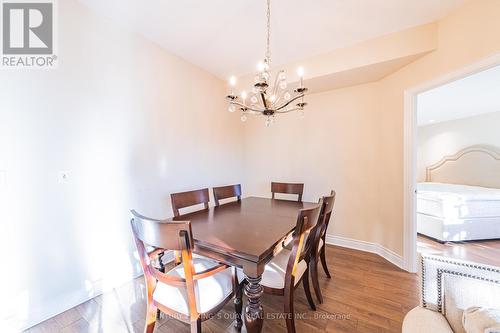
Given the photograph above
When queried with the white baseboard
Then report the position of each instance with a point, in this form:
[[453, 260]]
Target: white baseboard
[[355, 244]]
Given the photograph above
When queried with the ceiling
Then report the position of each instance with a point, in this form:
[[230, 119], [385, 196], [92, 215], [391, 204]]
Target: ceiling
[[359, 75], [473, 95], [228, 37]]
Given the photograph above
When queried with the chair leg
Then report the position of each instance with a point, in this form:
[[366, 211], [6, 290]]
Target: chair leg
[[238, 305], [149, 326], [323, 262], [315, 280], [289, 311], [305, 282], [196, 326]]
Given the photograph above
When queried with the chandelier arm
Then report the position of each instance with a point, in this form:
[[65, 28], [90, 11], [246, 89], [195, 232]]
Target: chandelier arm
[[292, 110], [290, 101], [276, 101], [263, 100], [246, 107], [255, 113]]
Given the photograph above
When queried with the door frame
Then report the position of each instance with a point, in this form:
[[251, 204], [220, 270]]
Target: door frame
[[410, 152]]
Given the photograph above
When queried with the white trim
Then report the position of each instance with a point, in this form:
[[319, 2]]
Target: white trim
[[365, 246], [410, 169], [410, 183]]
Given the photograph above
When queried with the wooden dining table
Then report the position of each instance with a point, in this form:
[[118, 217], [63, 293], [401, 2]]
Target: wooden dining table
[[245, 234]]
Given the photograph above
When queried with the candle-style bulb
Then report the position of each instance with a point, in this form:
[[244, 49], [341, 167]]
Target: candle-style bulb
[[232, 81], [300, 71]]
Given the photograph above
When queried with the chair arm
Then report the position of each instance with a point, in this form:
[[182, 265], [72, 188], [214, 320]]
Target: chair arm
[[168, 279], [210, 271]]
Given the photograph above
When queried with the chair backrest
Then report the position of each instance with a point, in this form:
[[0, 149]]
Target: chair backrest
[[190, 198], [326, 212], [162, 235], [319, 233], [288, 188], [307, 220], [225, 192]]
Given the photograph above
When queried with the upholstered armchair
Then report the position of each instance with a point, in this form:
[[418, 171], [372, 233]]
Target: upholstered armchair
[[450, 287]]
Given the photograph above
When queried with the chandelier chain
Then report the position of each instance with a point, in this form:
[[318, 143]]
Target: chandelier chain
[[268, 48]]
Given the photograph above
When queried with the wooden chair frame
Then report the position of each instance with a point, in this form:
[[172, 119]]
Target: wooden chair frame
[[287, 188], [177, 236], [190, 198], [318, 254], [307, 219], [225, 192]]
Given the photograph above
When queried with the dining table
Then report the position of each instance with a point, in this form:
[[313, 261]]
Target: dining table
[[247, 234]]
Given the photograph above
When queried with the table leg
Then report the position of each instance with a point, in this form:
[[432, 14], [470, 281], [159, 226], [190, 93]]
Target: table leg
[[254, 313]]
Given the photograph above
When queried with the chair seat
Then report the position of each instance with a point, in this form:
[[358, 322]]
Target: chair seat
[[275, 271], [209, 291], [420, 320]]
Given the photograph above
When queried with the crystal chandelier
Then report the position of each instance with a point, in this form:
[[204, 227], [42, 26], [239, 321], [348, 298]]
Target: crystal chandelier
[[266, 99]]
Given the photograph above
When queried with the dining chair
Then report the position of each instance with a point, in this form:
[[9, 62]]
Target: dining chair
[[193, 291], [318, 252], [182, 200], [226, 192], [287, 188], [283, 274], [187, 199]]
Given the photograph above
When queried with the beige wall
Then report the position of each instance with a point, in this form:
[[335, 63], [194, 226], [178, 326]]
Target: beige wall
[[362, 127], [447, 138], [334, 147], [465, 36], [130, 123]]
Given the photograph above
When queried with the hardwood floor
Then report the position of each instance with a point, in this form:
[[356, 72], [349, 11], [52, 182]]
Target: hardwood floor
[[485, 252], [366, 294]]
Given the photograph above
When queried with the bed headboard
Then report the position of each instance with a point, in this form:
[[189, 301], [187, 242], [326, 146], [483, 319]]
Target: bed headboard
[[475, 165]]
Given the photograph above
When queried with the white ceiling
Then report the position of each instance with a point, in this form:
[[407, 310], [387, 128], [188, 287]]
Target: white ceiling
[[359, 75], [227, 37], [473, 95]]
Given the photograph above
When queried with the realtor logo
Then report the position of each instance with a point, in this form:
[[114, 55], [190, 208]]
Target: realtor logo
[[28, 34]]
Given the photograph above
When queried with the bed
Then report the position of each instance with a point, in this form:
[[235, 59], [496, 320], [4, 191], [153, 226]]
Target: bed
[[460, 199]]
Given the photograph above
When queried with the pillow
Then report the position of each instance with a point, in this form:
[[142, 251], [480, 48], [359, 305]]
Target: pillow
[[462, 292], [481, 320]]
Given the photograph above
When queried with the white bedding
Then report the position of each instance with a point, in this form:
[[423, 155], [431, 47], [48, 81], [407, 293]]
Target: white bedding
[[457, 201], [450, 212]]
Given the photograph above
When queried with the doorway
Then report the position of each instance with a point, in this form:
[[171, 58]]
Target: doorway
[[416, 172]]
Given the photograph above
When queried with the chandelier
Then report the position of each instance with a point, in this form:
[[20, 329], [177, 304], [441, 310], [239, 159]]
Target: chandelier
[[268, 99]]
